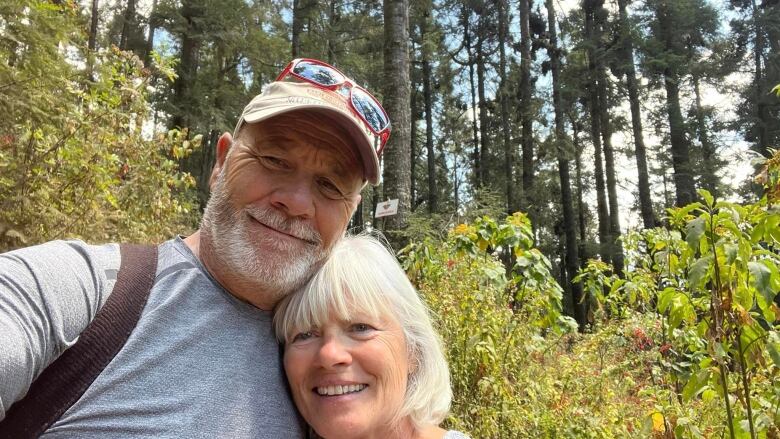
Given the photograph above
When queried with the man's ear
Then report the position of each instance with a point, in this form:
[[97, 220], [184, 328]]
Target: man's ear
[[223, 146]]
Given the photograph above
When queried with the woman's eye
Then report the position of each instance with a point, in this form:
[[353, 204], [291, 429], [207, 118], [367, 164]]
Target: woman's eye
[[303, 336], [362, 327]]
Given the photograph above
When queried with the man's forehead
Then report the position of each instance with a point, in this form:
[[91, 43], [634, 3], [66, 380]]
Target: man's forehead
[[283, 133], [337, 158]]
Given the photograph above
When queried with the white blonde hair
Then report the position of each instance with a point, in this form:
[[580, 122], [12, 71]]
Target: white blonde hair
[[362, 276]]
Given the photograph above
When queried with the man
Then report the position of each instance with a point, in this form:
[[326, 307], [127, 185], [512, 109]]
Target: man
[[202, 360]]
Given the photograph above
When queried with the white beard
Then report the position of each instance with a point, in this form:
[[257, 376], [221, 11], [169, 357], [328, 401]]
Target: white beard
[[259, 261]]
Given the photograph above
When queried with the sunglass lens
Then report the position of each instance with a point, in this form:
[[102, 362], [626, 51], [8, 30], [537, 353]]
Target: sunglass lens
[[318, 73], [370, 109]]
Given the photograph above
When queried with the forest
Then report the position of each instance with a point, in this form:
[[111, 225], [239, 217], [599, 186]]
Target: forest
[[587, 190]]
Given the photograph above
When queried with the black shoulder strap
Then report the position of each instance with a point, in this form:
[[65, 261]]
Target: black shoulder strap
[[67, 378]]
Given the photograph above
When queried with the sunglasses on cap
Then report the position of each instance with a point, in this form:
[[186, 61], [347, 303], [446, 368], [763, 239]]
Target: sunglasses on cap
[[361, 102]]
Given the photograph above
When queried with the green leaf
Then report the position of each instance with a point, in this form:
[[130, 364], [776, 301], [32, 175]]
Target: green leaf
[[709, 200], [773, 347], [696, 385], [720, 353], [730, 250], [693, 232], [761, 276], [699, 270]]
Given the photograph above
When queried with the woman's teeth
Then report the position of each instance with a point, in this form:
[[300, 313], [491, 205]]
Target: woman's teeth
[[340, 390]]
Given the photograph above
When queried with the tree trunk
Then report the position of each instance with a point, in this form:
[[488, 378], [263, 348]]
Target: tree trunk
[[595, 131], [413, 144], [127, 22], [397, 169], [188, 66], [433, 191], [762, 116], [571, 257], [580, 201], [473, 90], [483, 111], [150, 35], [609, 161], [526, 137], [332, 41], [297, 26], [683, 179], [709, 179], [503, 96], [627, 54], [93, 26]]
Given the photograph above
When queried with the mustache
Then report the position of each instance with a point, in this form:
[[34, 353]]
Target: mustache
[[291, 226]]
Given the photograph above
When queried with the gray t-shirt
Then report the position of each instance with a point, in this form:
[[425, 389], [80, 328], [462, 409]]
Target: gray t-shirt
[[200, 363], [454, 434]]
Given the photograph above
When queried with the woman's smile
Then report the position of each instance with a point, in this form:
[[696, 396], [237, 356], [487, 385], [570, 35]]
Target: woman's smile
[[348, 379]]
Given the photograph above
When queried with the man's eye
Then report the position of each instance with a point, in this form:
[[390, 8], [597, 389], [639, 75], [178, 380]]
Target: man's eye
[[273, 162], [329, 189]]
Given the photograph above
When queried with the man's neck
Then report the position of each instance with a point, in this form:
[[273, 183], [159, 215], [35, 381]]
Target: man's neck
[[193, 242], [232, 286]]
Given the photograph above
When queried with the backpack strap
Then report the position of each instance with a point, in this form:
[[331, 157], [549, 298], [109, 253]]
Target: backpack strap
[[66, 379]]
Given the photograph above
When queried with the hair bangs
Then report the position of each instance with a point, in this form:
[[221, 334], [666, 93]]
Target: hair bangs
[[346, 287]]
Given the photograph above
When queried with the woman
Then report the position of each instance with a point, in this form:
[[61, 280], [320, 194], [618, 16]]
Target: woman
[[360, 353]]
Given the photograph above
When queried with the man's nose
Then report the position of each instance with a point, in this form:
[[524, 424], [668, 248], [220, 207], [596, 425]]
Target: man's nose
[[294, 197]]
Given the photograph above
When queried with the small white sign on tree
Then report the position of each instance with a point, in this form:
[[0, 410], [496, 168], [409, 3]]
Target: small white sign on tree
[[386, 208]]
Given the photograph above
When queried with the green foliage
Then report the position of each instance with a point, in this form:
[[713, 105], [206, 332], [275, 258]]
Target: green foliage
[[713, 275], [80, 156], [487, 314], [686, 345]]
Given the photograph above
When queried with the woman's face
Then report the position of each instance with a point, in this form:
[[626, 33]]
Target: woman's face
[[348, 378]]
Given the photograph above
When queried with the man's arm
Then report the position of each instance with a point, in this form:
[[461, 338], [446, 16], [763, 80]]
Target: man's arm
[[48, 294]]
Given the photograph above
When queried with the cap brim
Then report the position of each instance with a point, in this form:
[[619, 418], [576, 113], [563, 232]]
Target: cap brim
[[363, 143]]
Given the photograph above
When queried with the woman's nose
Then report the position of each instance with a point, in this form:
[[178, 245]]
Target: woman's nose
[[333, 353]]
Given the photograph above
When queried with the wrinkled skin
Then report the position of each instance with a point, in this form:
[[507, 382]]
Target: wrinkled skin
[[282, 194]]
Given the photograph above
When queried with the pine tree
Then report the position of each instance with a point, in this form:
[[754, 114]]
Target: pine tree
[[397, 165]]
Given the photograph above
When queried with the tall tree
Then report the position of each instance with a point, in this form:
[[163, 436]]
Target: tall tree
[[590, 8], [755, 30], [503, 96], [481, 60], [413, 149], [709, 162], [676, 28], [190, 33], [300, 7], [153, 19], [570, 232], [397, 166], [425, 33], [603, 84], [470, 61], [128, 23], [93, 26], [525, 95], [627, 68]]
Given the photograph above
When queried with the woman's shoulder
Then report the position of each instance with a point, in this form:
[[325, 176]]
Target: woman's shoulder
[[452, 434]]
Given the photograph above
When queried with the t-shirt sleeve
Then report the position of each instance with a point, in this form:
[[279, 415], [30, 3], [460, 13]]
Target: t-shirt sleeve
[[48, 294]]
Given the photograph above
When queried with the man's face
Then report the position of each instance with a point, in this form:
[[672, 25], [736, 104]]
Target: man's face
[[283, 197]]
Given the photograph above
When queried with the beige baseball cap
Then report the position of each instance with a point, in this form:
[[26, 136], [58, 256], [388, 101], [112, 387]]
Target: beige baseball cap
[[281, 97]]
